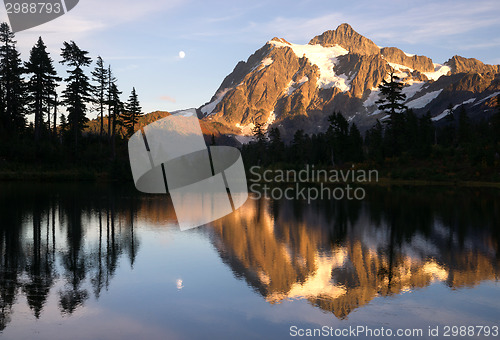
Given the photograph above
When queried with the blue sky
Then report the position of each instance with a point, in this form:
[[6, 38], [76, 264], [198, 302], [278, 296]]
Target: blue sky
[[142, 39]]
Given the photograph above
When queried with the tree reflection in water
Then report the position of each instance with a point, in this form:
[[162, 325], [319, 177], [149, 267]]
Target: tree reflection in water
[[73, 233]]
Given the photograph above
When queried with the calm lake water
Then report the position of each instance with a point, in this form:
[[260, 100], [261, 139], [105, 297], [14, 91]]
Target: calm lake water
[[89, 261]]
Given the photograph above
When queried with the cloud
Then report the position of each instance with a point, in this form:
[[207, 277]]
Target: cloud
[[296, 28], [90, 17], [168, 99], [427, 23]]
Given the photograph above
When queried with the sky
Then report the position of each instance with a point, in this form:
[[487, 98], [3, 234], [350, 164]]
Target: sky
[[176, 53]]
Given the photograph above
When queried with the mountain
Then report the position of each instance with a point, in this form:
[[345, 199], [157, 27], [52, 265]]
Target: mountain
[[298, 86]]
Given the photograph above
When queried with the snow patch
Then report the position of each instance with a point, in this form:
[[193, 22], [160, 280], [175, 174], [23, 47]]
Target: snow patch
[[412, 89], [401, 71], [247, 130], [208, 109], [264, 63], [399, 67], [441, 116], [325, 58], [447, 111], [270, 120], [408, 54], [470, 101], [439, 70], [485, 99], [424, 100], [372, 98], [243, 139], [293, 85]]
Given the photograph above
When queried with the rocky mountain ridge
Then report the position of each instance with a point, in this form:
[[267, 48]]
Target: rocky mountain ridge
[[297, 86]]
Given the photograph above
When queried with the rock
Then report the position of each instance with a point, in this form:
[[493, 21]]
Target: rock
[[348, 38]]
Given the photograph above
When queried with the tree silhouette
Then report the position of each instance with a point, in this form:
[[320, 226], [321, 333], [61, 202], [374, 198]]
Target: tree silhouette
[[116, 109], [42, 85], [78, 90], [392, 96], [392, 104], [338, 133], [12, 87], [132, 113], [100, 76]]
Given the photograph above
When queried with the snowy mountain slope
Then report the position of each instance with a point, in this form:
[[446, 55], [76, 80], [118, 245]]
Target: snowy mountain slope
[[297, 86]]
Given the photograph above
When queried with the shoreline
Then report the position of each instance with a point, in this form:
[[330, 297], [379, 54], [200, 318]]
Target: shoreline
[[79, 175]]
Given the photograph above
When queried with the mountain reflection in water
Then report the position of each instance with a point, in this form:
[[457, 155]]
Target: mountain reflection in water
[[69, 240], [339, 255]]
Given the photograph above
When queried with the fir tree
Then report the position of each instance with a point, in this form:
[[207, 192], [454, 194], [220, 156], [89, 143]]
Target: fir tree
[[78, 90], [392, 104], [355, 144], [338, 132], [12, 87], [41, 85], [111, 82], [392, 96], [100, 76], [276, 145], [464, 127], [374, 142], [132, 113], [116, 108]]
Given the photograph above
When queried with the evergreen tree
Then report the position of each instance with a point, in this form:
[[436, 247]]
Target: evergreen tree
[[41, 85], [392, 104], [111, 82], [448, 133], [410, 134], [338, 133], [259, 133], [116, 107], [374, 142], [276, 145], [132, 113], [260, 143], [425, 135], [100, 77], [12, 87], [299, 147], [464, 127], [496, 128], [78, 90], [355, 144], [392, 96]]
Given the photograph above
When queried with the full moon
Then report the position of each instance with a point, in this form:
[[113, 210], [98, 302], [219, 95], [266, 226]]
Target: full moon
[[182, 54]]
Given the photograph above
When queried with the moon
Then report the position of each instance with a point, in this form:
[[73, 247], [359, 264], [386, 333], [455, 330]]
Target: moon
[[182, 54]]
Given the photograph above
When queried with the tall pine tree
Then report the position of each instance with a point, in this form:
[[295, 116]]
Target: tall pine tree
[[116, 108], [392, 104], [111, 82], [78, 90], [12, 87], [132, 113], [100, 76], [41, 85]]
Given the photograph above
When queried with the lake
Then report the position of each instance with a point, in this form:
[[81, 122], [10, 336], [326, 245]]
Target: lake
[[102, 261]]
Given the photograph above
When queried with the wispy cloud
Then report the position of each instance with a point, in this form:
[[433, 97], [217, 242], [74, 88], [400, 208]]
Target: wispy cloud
[[91, 17], [430, 22], [168, 99]]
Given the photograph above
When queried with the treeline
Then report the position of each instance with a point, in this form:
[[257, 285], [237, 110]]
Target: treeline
[[56, 134], [402, 145]]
